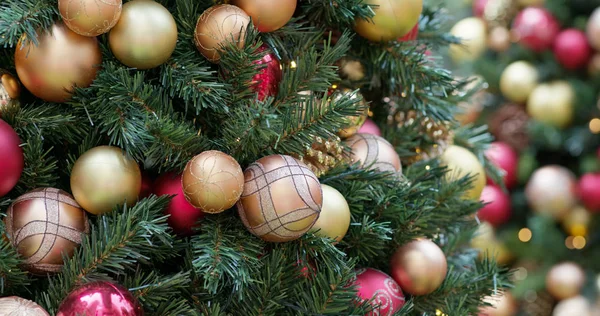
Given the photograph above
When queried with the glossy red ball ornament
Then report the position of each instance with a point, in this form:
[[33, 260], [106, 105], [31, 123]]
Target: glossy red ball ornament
[[11, 158], [386, 293], [571, 49], [536, 28], [479, 7], [183, 216], [497, 211], [100, 298], [505, 158], [588, 190], [412, 35], [266, 81], [370, 128]]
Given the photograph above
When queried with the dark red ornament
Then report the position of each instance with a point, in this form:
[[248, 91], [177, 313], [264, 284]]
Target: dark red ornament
[[100, 299], [588, 190], [572, 49], [386, 293], [266, 81], [498, 209], [146, 189], [11, 158], [505, 158], [479, 7], [410, 36], [183, 215], [536, 28]]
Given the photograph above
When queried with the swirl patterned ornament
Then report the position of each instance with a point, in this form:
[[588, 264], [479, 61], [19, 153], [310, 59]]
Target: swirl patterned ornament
[[374, 152], [90, 17], [218, 25], [16, 306], [386, 293], [282, 198]]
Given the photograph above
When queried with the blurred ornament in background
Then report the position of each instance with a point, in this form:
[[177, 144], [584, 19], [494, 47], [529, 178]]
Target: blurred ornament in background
[[565, 280], [572, 49], [461, 163], [16, 306], [503, 304], [499, 39], [551, 191], [217, 26], [531, 3], [473, 36], [470, 109], [266, 81], [518, 80], [322, 155], [374, 152], [267, 15], [535, 28], [509, 125], [485, 241], [504, 157], [393, 19], [385, 293], [419, 267], [100, 298], [183, 216], [334, 219], [588, 190], [479, 7], [577, 221], [352, 123], [369, 127], [351, 69], [593, 29], [497, 211], [538, 304], [12, 159], [10, 90], [552, 103], [90, 17], [594, 65], [575, 306], [499, 13]]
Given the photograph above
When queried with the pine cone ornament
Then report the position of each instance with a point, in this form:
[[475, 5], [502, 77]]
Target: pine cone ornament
[[322, 155], [509, 125]]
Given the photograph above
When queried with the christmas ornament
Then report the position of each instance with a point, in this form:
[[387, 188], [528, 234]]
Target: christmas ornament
[[470, 109], [146, 188], [370, 128], [531, 3], [268, 16], [518, 80], [374, 152], [412, 35], [322, 155], [497, 13], [565, 280], [594, 65], [535, 28], [282, 198], [217, 26], [588, 190], [499, 39], [551, 191], [11, 158], [60, 61], [574, 306], [479, 7], [593, 29], [497, 210], [419, 267], [571, 49], [90, 17], [541, 306], [461, 162], [473, 35], [16, 306], [352, 123], [213, 181], [100, 298], [183, 216], [351, 69], [509, 125], [393, 19], [266, 81], [489, 246], [43, 225], [104, 177], [552, 103], [10, 90], [386, 294], [334, 219], [577, 221], [504, 157], [145, 36], [501, 305]]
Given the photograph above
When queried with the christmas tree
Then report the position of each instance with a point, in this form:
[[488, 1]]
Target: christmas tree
[[185, 157]]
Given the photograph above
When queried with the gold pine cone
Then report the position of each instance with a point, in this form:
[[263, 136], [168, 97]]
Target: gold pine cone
[[322, 155]]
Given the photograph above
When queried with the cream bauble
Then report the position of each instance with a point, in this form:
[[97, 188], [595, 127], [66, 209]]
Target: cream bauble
[[472, 32]]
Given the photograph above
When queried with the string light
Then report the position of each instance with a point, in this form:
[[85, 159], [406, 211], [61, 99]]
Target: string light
[[525, 234], [293, 64], [595, 126], [439, 313]]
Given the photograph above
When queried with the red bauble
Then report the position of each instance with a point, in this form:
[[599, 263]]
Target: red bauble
[[11, 158], [386, 292], [183, 215], [505, 158], [571, 49], [100, 298], [588, 190], [370, 128], [266, 81], [412, 35], [498, 209], [479, 7], [536, 28]]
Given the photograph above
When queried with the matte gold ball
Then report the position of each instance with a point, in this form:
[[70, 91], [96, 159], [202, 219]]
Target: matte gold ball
[[268, 15], [43, 225], [552, 103], [502, 305], [419, 267], [282, 198], [145, 36], [551, 191], [90, 17], [565, 280], [461, 162], [518, 80], [374, 152], [213, 181], [104, 177], [353, 123], [334, 219], [217, 26], [59, 62], [473, 35], [393, 19]]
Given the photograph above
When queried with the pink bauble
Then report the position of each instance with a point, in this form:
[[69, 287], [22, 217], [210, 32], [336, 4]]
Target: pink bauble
[[479, 7], [386, 292], [268, 78], [571, 49], [505, 158], [183, 215], [11, 158], [370, 128], [498, 209], [536, 28], [588, 190], [100, 299], [410, 36]]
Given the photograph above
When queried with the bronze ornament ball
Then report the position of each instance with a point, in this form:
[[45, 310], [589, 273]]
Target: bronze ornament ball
[[374, 152], [43, 225], [90, 17], [393, 19], [334, 219], [268, 15], [282, 198], [462, 162]]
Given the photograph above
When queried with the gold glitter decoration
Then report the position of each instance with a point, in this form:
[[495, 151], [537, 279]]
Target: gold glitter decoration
[[90, 17], [500, 12], [16, 306], [322, 155], [10, 90]]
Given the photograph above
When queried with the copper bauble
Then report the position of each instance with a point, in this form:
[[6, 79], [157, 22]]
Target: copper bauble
[[419, 267], [100, 299], [574, 306], [213, 181], [593, 29], [59, 62], [518, 80], [551, 190], [282, 198], [43, 225], [473, 36], [217, 26], [552, 103], [267, 15], [16, 306], [90, 17], [10, 90], [374, 152], [104, 177], [502, 305], [352, 123], [461, 162], [565, 280], [145, 36], [393, 19], [499, 39], [334, 219]]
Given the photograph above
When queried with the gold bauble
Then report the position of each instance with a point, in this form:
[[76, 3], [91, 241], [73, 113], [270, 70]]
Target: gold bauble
[[485, 241], [217, 26], [551, 191], [351, 69], [268, 15], [16, 306], [213, 181], [282, 198], [472, 33], [60, 61], [145, 36], [461, 162], [518, 80], [322, 155], [565, 280], [10, 90], [374, 152], [419, 267], [577, 221], [574, 306], [90, 17], [352, 123], [531, 3], [104, 177], [552, 103], [43, 225], [499, 39], [393, 19], [502, 305], [334, 219]]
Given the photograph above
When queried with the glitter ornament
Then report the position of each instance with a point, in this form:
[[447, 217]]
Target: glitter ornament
[[322, 155], [266, 82], [374, 152], [387, 296]]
